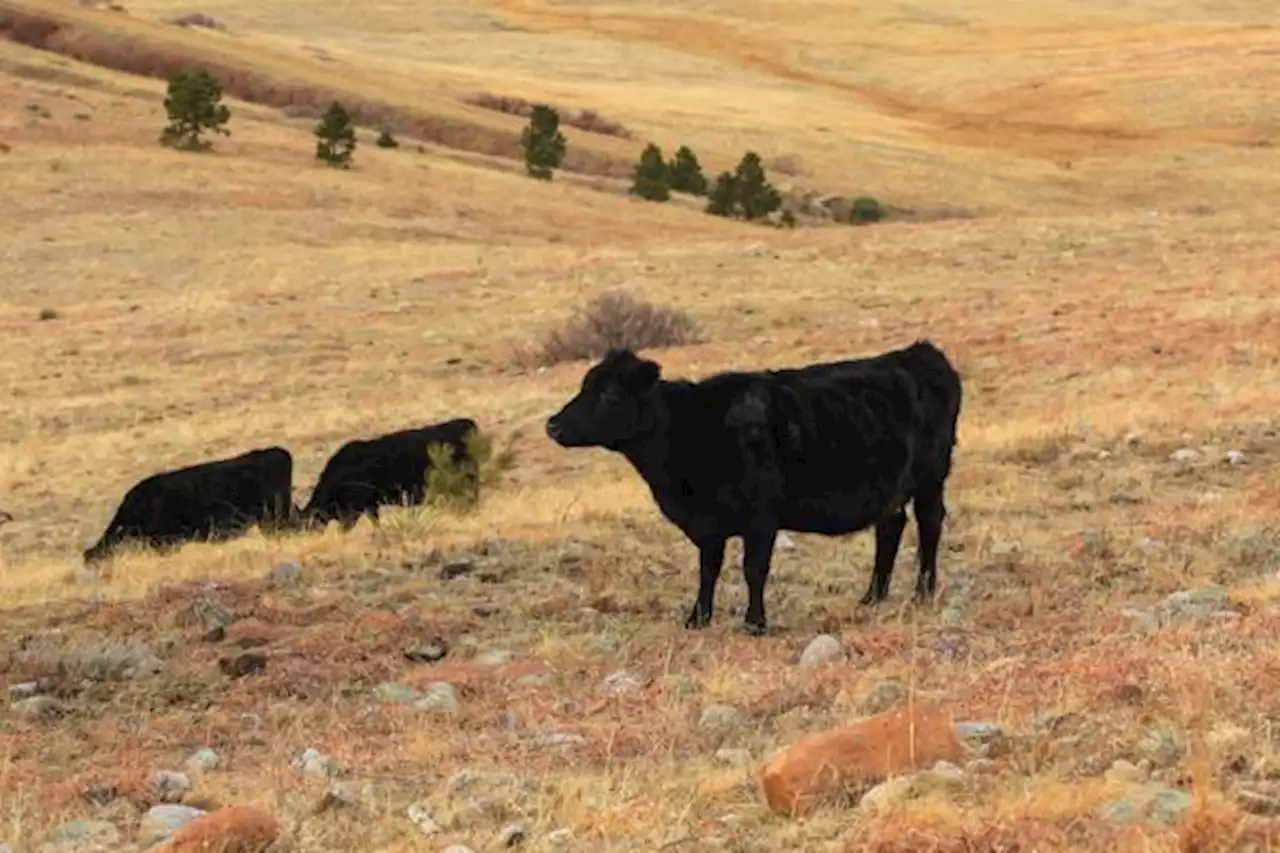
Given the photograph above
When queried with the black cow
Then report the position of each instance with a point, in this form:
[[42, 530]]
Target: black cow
[[832, 448], [391, 469], [212, 501]]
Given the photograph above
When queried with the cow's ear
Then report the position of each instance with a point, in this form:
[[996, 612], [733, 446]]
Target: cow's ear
[[642, 375]]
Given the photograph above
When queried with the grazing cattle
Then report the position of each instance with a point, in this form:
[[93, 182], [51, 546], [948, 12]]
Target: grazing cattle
[[213, 501], [391, 469], [831, 448]]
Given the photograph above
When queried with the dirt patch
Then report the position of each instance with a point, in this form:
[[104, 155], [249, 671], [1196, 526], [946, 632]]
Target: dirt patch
[[121, 52]]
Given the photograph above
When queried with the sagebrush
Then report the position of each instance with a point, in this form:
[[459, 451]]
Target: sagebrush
[[617, 319]]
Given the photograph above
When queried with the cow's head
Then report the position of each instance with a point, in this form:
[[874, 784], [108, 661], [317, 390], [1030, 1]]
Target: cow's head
[[612, 406]]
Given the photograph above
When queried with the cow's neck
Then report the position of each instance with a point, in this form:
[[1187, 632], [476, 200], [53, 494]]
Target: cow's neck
[[650, 451]]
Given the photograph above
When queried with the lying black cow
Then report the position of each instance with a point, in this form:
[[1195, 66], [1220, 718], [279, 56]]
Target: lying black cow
[[388, 470], [831, 448], [211, 501]]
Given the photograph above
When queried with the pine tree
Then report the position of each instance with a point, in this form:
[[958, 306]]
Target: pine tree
[[544, 144], [756, 196], [335, 137], [193, 104], [650, 179], [723, 198], [686, 172]]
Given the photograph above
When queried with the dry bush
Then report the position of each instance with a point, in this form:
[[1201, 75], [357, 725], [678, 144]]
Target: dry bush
[[616, 319], [588, 120], [197, 19]]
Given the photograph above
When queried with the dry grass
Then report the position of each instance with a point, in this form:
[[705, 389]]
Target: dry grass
[[160, 308]]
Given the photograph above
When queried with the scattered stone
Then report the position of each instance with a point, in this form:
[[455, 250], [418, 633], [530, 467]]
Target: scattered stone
[[161, 822], [170, 786], [285, 573], [458, 848], [882, 697], [983, 739], [1122, 771], [420, 814], [314, 763], [557, 739], [1236, 457], [493, 657], [23, 690], [439, 696], [1184, 454], [431, 651], [823, 648], [1119, 813], [456, 569], [243, 665], [1132, 439], [40, 708], [619, 682], [785, 541], [514, 834], [868, 751], [1169, 806], [82, 836], [733, 757], [887, 794], [560, 837], [1198, 603], [1004, 549], [533, 679], [398, 693], [716, 718], [202, 761], [239, 828]]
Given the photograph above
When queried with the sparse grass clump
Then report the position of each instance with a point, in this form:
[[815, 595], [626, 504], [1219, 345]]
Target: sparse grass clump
[[194, 106], [617, 319]]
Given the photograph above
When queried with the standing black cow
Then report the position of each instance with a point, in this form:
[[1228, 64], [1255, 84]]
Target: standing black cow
[[390, 469], [213, 501], [832, 448]]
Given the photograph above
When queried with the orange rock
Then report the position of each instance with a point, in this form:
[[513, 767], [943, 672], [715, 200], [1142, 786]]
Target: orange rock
[[232, 829], [865, 752]]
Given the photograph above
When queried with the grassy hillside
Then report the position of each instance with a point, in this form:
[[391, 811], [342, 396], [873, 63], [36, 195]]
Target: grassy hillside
[[1095, 251]]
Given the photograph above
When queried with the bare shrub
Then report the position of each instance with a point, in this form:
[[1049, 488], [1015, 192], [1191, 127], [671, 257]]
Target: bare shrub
[[616, 319], [588, 120], [197, 19]]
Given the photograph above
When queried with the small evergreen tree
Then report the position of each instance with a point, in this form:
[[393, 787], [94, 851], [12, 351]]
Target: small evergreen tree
[[650, 180], [544, 144], [386, 140], [335, 137], [745, 194], [686, 173], [193, 104]]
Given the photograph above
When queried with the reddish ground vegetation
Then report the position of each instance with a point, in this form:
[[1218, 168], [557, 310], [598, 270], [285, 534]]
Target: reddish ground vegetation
[[583, 119]]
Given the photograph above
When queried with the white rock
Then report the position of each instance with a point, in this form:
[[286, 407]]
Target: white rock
[[1236, 457], [620, 682], [823, 648], [420, 814], [1184, 454], [161, 822], [202, 761], [170, 785], [439, 696], [560, 837], [784, 541]]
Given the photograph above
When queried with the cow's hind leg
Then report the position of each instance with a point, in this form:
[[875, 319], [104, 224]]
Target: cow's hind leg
[[710, 562], [930, 512], [757, 557], [888, 538]]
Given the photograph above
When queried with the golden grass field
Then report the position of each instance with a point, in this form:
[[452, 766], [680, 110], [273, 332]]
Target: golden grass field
[[1109, 296]]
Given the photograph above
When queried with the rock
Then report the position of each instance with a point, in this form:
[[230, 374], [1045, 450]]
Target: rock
[[717, 718], [1119, 813], [431, 651], [1197, 603], [313, 763], [557, 739], [1122, 771], [1132, 438], [560, 837], [161, 822], [733, 757], [943, 775], [784, 541], [39, 708], [1263, 803], [514, 834], [439, 696], [534, 679], [983, 739], [231, 829], [867, 751], [23, 690], [1169, 806], [886, 794], [1236, 457], [1185, 455], [494, 657], [397, 693], [882, 697], [420, 815], [823, 648], [202, 761], [82, 836], [619, 682], [285, 573], [458, 848], [170, 786]]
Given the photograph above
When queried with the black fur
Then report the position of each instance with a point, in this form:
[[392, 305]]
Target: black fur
[[831, 448], [213, 501], [389, 469]]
